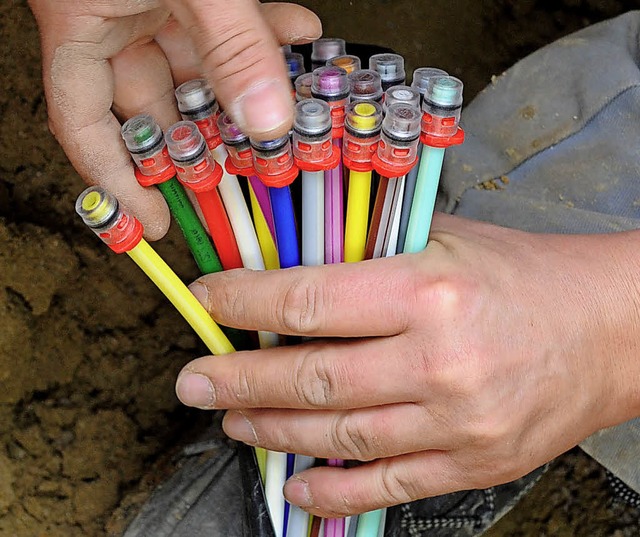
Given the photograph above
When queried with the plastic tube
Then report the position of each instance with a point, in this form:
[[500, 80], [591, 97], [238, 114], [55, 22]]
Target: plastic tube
[[145, 142], [123, 233], [274, 165], [266, 238], [198, 171], [276, 477], [190, 225], [286, 232], [362, 133], [424, 199], [357, 216], [313, 218], [180, 296], [262, 196]]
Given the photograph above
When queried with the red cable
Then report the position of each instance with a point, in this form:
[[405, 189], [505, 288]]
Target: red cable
[[220, 228]]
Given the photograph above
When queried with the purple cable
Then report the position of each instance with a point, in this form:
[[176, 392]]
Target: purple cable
[[334, 253], [334, 527], [333, 213], [262, 195]]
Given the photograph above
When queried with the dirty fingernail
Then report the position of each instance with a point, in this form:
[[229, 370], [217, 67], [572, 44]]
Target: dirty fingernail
[[195, 390], [200, 292], [297, 492], [263, 109], [238, 427]]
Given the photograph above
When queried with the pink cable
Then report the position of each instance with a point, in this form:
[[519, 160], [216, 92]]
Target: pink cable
[[334, 213]]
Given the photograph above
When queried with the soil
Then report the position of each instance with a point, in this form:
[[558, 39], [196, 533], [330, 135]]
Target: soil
[[89, 350]]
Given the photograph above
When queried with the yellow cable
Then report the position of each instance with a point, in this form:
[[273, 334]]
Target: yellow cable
[[265, 239], [355, 238], [180, 296]]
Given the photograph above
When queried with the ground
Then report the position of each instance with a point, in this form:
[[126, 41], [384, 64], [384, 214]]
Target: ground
[[89, 350]]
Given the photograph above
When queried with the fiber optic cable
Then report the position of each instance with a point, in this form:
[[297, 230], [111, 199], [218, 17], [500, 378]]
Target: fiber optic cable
[[295, 69], [391, 69], [348, 62], [123, 234], [331, 84], [314, 154], [361, 136], [197, 103], [240, 162], [198, 171], [441, 108], [274, 165], [325, 48], [147, 147], [420, 77], [366, 86]]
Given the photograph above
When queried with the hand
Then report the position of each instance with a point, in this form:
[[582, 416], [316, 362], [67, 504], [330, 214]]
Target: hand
[[462, 367], [104, 62]]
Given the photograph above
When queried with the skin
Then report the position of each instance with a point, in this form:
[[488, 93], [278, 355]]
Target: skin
[[108, 60], [465, 366]]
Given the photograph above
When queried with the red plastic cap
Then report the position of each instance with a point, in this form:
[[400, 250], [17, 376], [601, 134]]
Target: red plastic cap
[[387, 170], [206, 183], [130, 240], [358, 166], [442, 142], [280, 180], [150, 180], [232, 169], [330, 164]]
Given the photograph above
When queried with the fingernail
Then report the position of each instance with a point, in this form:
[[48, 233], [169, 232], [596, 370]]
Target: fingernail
[[264, 108], [195, 390], [297, 492], [238, 427], [304, 39], [200, 292]]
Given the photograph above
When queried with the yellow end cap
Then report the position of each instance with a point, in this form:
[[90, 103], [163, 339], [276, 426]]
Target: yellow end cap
[[94, 203], [365, 116]]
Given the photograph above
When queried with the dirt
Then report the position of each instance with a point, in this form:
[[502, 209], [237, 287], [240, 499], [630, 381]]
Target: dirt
[[89, 350]]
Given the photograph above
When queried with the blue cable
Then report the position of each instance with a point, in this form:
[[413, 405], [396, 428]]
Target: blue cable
[[284, 221]]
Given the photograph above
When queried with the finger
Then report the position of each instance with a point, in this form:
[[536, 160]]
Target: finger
[[362, 434], [315, 375], [79, 88], [242, 61], [291, 24], [372, 298], [143, 84], [339, 492]]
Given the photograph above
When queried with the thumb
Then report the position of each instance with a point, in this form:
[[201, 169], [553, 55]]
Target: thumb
[[242, 61]]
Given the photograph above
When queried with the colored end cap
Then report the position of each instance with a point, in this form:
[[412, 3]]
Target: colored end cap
[[442, 142], [150, 180], [330, 164], [281, 180], [389, 171]]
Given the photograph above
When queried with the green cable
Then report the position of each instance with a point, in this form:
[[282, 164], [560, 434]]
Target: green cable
[[192, 229], [199, 244]]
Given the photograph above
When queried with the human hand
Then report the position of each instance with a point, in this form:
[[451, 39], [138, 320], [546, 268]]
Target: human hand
[[465, 366], [104, 62]]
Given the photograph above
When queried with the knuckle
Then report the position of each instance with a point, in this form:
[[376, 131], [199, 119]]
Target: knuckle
[[314, 380], [353, 440], [299, 308], [394, 487]]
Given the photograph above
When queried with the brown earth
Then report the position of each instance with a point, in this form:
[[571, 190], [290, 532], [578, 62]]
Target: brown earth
[[89, 350]]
